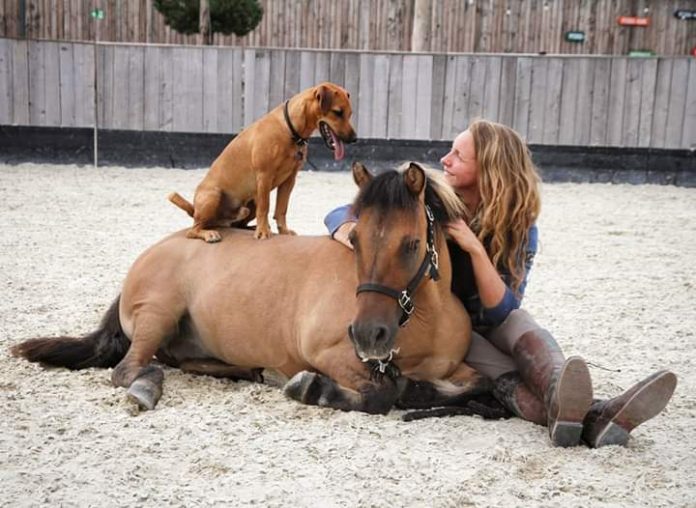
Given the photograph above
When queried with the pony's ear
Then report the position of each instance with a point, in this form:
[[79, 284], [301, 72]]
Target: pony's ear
[[414, 177], [360, 174], [325, 96]]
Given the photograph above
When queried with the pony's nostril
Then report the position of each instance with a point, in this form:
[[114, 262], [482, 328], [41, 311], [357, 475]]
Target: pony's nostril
[[381, 334]]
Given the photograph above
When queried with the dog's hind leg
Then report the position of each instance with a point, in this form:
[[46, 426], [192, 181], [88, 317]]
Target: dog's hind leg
[[206, 205], [134, 372]]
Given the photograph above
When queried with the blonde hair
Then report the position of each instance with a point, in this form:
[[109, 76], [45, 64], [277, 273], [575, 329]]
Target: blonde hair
[[510, 201]]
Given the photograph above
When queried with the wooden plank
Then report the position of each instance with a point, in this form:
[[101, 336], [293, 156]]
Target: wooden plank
[[537, 101], [460, 103], [552, 101], [136, 87], [322, 67], [120, 90], [151, 119], [67, 85], [508, 82], [166, 89], [394, 86], [211, 100], [677, 103], [237, 89], [647, 101], [689, 131], [277, 78], [600, 101], [337, 68], [83, 65], [188, 90], [307, 61], [491, 88], [409, 91], [583, 111], [423, 98], [477, 88], [225, 78], [363, 123], [51, 83], [569, 90], [437, 97], [261, 85], [352, 85], [617, 89], [20, 82], [523, 86], [380, 97], [6, 78], [662, 91], [632, 103], [292, 74]]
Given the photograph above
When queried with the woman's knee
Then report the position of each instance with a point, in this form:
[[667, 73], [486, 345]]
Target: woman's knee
[[518, 322]]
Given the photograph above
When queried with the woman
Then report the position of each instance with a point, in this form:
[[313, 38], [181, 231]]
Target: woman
[[492, 251]]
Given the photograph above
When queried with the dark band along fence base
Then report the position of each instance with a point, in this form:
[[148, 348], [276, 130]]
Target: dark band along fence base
[[196, 150]]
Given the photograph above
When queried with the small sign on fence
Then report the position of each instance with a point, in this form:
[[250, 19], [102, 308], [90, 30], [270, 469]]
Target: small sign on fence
[[575, 36], [633, 21], [97, 13], [684, 14]]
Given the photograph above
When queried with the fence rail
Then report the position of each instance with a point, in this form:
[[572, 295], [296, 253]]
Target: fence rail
[[490, 26], [602, 101]]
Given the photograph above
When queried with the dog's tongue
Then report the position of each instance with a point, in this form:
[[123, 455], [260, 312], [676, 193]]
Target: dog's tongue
[[339, 150]]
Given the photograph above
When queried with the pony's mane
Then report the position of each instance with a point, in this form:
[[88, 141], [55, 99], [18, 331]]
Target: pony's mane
[[388, 191]]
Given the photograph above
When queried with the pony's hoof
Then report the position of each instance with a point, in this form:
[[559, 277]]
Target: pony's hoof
[[144, 393], [302, 387]]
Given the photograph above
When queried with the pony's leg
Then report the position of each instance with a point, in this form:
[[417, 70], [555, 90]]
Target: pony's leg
[[216, 368], [144, 381], [320, 390], [347, 385], [459, 388]]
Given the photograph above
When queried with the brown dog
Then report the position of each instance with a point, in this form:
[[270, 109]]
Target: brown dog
[[264, 156]]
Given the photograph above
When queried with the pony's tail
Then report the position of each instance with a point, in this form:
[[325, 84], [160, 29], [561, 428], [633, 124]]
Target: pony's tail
[[104, 347], [182, 203]]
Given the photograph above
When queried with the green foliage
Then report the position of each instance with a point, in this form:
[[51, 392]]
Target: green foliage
[[226, 16]]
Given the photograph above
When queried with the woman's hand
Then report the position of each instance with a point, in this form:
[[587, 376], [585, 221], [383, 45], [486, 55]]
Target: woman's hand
[[462, 234], [341, 234]]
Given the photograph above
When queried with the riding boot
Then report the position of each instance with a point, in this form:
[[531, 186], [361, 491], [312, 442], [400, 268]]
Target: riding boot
[[511, 392], [609, 422], [563, 385]]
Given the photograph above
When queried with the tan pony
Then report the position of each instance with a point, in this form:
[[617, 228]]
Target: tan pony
[[245, 309]]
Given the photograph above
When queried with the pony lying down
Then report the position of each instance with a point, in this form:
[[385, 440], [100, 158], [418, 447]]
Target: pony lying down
[[287, 309]]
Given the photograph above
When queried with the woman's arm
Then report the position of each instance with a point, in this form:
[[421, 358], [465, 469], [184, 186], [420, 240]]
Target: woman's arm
[[340, 222]]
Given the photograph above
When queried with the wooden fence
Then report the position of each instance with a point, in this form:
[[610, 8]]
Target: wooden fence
[[605, 101], [492, 26]]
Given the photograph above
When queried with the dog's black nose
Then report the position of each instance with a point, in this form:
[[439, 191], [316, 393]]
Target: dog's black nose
[[352, 138]]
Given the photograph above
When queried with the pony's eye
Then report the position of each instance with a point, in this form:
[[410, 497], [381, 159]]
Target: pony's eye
[[411, 246]]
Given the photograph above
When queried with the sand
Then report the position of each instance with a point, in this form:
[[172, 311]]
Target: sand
[[614, 281]]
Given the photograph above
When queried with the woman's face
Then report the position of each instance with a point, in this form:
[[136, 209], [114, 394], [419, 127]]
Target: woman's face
[[461, 168]]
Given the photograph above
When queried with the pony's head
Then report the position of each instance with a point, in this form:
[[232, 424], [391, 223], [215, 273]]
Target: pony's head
[[395, 243]]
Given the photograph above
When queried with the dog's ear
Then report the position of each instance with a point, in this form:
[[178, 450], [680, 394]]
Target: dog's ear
[[324, 95], [414, 177], [360, 174]]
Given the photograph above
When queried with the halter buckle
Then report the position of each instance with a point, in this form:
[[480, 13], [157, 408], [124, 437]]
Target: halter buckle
[[406, 303]]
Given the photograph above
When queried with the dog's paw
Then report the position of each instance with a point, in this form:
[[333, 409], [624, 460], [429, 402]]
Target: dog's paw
[[262, 233], [286, 231], [212, 236]]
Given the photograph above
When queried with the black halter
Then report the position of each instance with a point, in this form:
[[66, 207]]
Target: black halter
[[299, 140], [429, 261]]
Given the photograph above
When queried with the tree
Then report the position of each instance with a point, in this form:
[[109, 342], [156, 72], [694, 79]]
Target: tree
[[237, 17]]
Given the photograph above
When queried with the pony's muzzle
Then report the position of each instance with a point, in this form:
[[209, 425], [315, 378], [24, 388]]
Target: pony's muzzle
[[372, 340]]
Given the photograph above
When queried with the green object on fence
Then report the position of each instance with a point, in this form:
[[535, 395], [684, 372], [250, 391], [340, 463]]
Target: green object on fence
[[641, 53], [575, 36], [97, 14]]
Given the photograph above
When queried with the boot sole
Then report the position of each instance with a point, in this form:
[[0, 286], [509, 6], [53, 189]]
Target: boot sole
[[645, 404], [573, 399]]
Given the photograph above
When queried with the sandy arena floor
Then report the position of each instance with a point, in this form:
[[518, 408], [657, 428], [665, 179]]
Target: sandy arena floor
[[614, 281]]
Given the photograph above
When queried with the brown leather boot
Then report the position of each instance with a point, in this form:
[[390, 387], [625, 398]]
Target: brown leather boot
[[563, 385], [512, 393], [609, 422]]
